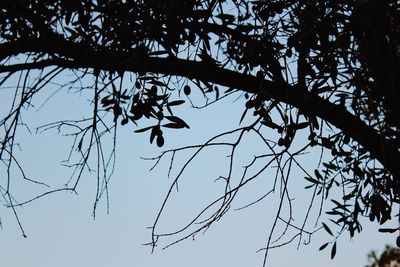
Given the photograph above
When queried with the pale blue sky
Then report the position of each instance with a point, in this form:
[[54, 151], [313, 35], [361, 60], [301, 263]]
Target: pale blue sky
[[61, 231]]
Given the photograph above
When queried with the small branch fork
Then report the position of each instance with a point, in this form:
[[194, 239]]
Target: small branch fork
[[280, 159], [87, 133]]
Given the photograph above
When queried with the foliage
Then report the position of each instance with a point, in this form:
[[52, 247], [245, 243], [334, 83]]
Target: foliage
[[390, 257], [324, 69]]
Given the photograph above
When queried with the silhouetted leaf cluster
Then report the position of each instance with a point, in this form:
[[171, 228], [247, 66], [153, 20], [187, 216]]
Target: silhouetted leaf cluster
[[337, 52]]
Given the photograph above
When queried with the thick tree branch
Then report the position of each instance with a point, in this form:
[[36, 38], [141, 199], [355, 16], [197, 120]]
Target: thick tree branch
[[75, 55]]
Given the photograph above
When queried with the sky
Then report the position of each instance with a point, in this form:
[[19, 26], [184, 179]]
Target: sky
[[62, 231]]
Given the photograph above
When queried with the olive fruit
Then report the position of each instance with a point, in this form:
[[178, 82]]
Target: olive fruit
[[281, 142], [160, 140], [186, 90]]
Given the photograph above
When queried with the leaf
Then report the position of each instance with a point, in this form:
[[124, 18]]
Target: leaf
[[216, 89], [160, 140], [68, 17], [132, 120], [330, 166], [243, 115], [311, 180], [143, 129], [176, 103], [153, 134], [323, 246], [169, 109], [301, 125], [107, 101], [172, 125], [315, 123], [388, 230], [178, 121], [71, 31], [230, 89], [124, 121], [334, 212], [135, 98], [318, 175], [159, 83], [327, 229], [341, 206], [333, 251], [80, 145]]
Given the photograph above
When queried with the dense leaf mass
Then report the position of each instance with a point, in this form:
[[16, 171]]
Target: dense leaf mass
[[329, 69]]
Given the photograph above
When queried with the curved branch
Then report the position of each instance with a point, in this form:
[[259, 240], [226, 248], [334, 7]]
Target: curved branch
[[83, 56]]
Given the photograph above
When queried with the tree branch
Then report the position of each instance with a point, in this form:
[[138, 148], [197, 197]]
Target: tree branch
[[76, 55]]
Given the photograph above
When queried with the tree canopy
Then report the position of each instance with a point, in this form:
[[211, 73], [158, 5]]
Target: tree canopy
[[389, 257], [316, 73]]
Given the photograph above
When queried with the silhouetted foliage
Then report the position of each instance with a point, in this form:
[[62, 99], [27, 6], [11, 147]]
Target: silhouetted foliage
[[390, 257], [327, 69]]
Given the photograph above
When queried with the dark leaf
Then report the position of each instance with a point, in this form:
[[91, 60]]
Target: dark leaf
[[334, 212], [80, 145], [327, 229], [243, 115], [312, 180], [124, 121], [318, 175], [107, 101], [178, 121], [153, 134], [309, 186], [301, 125], [135, 98], [155, 82], [323, 246], [230, 89], [333, 251], [388, 230], [173, 125], [144, 129], [169, 109], [216, 89], [176, 103], [160, 140]]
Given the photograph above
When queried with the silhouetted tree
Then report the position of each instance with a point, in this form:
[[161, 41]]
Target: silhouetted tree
[[329, 69], [390, 257]]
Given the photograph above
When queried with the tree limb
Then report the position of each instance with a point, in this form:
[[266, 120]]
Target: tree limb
[[76, 55]]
